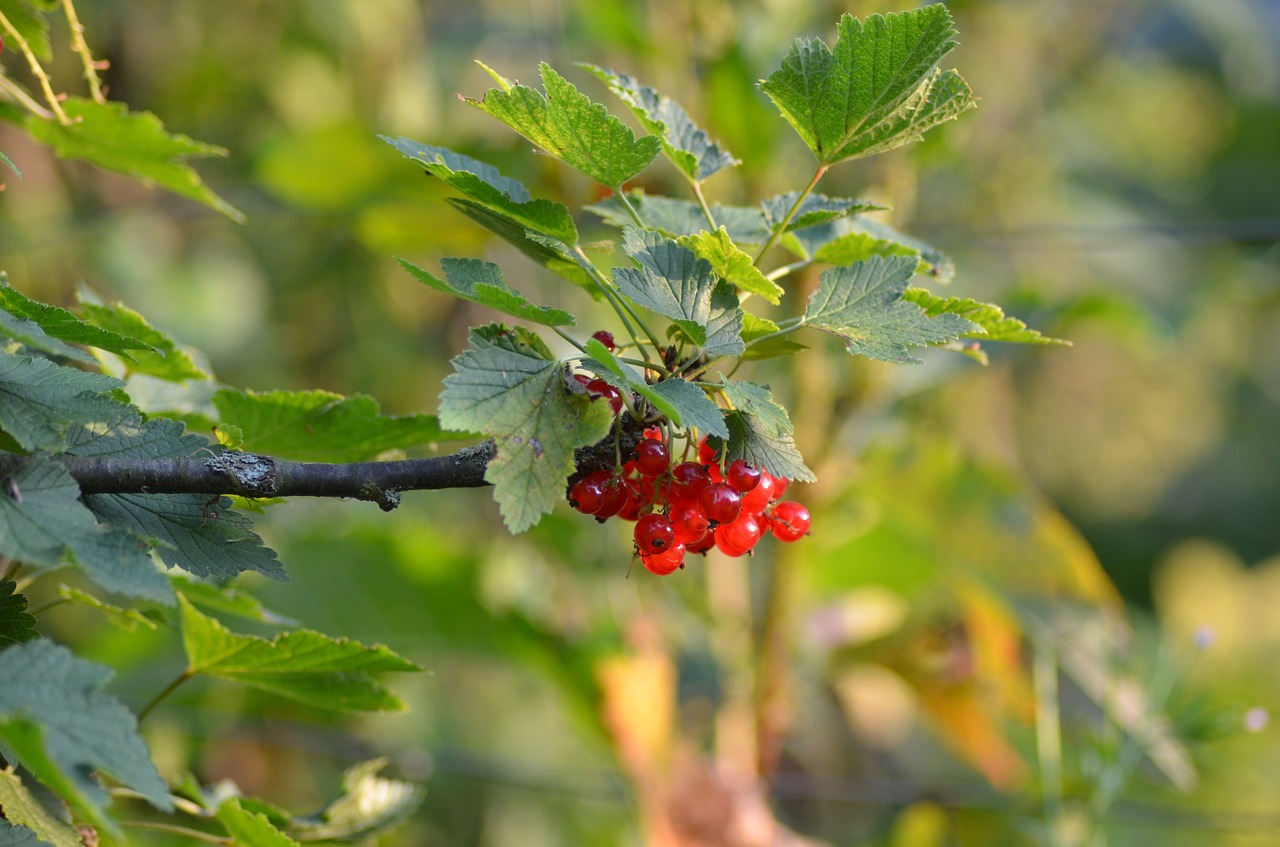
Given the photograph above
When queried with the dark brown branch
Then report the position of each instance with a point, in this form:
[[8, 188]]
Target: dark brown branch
[[258, 476]]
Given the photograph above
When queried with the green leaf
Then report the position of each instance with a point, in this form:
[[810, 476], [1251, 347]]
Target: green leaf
[[8, 163], [63, 325], [30, 335], [40, 400], [329, 673], [730, 263], [24, 740], [696, 409], [369, 804], [250, 829], [876, 89], [816, 209], [20, 836], [125, 435], [203, 536], [673, 218], [995, 325], [674, 281], [486, 186], [23, 808], [163, 360], [863, 304], [757, 401], [567, 125], [30, 24], [684, 143], [755, 327], [44, 523], [83, 729], [483, 283], [682, 402], [509, 385], [16, 626], [752, 440], [850, 240], [127, 619], [321, 426], [131, 143], [548, 252], [622, 376], [228, 600]]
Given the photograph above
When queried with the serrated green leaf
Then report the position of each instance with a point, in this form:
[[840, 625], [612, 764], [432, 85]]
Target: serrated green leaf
[[31, 25], [131, 143], [127, 619], [125, 435], [80, 729], [757, 400], [21, 807], [684, 143], [755, 328], [731, 264], [63, 325], [486, 186], [673, 218], [329, 673], [752, 440], [991, 318], [204, 538], [567, 125], [23, 740], [863, 304], [228, 600], [30, 335], [248, 828], [603, 363], [876, 89], [509, 385], [369, 804], [816, 209], [40, 400], [20, 836], [16, 626], [483, 283], [548, 252], [849, 240], [43, 523], [322, 426], [164, 359], [696, 409]]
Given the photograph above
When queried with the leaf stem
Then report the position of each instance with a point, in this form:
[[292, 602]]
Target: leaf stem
[[44, 607], [702, 204], [18, 93], [626, 204], [187, 832], [79, 45], [567, 337], [168, 689], [36, 70], [621, 306], [791, 213], [784, 328], [778, 273]]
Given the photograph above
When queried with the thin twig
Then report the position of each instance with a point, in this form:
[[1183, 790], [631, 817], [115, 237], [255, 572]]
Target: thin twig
[[79, 45], [791, 213], [36, 70]]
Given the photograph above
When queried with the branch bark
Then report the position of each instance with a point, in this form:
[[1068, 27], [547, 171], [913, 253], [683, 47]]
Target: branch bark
[[258, 476]]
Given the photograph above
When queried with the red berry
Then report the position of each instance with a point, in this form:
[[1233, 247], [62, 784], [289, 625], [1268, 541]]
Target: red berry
[[653, 432], [706, 453], [742, 476], [668, 561], [688, 521], [652, 457], [790, 521], [688, 479], [654, 534], [703, 544], [606, 338], [738, 537], [587, 494], [720, 503], [615, 497], [766, 491], [599, 388]]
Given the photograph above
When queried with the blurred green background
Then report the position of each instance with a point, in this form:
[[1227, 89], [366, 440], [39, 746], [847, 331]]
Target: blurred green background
[[1117, 186]]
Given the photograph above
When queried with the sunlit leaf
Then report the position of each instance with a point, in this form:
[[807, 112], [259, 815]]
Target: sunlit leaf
[[164, 359], [248, 828], [852, 239], [731, 264], [755, 328], [483, 283], [23, 808], [991, 318], [671, 217], [816, 209], [369, 804]]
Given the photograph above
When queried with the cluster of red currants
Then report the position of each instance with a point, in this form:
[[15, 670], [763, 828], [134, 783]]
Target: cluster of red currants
[[690, 507]]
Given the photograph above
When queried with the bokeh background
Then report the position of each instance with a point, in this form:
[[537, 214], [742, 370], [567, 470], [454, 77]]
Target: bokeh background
[[1109, 510]]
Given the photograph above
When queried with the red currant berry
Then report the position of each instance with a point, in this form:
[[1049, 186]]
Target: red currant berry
[[599, 388], [654, 534], [738, 537], [706, 453], [703, 544], [652, 457], [615, 497], [587, 494], [688, 479], [688, 521], [606, 338], [653, 432], [720, 503], [742, 476], [790, 521], [766, 491], [668, 561]]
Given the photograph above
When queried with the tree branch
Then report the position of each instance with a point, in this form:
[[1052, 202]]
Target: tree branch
[[257, 476]]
